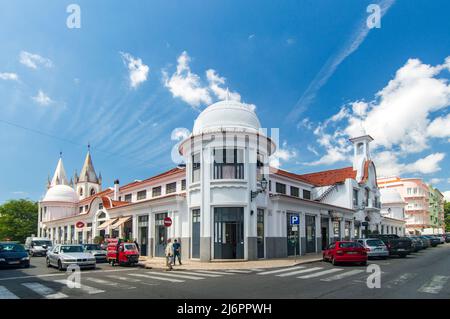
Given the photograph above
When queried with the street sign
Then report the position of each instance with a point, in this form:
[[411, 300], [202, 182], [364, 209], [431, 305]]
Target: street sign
[[294, 228], [167, 221], [79, 224], [295, 220]]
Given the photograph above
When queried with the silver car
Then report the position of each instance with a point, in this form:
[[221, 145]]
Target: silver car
[[375, 247], [62, 256], [96, 251]]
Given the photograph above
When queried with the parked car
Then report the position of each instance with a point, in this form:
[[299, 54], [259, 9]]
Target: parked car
[[345, 252], [64, 255], [426, 241], [374, 247], [38, 246], [96, 251], [447, 237], [416, 244], [13, 254], [400, 246], [122, 253], [434, 241], [441, 238]]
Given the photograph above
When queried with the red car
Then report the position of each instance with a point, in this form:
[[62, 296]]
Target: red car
[[128, 253], [345, 252]]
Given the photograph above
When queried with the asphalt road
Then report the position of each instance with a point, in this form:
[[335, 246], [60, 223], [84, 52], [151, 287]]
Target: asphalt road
[[421, 275]]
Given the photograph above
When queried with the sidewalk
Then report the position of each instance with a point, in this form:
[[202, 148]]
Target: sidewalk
[[160, 263]]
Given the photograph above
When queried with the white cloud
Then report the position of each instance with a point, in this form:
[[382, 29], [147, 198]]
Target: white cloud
[[179, 133], [435, 181], [446, 195], [186, 85], [398, 119], [333, 62], [42, 99], [33, 60], [9, 76], [215, 82], [138, 71], [283, 153]]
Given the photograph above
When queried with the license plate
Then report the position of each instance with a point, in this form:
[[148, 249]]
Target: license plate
[[352, 252], [400, 249], [14, 262]]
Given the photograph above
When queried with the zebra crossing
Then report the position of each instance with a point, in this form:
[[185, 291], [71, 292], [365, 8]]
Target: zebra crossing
[[91, 285]]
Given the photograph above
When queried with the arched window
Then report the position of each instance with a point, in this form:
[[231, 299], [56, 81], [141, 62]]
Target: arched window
[[92, 191], [102, 215], [359, 148], [81, 191]]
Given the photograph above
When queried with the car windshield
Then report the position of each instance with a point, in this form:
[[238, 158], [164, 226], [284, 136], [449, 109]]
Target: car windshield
[[42, 242], [92, 247], [11, 248], [375, 242], [71, 249], [130, 246], [349, 245]]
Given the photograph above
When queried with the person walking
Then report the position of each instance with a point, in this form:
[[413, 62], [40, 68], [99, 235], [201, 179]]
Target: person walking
[[137, 245], [169, 254], [176, 252]]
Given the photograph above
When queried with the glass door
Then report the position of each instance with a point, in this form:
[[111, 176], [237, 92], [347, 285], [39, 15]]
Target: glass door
[[195, 233], [160, 234], [260, 233], [310, 225], [229, 233], [143, 235]]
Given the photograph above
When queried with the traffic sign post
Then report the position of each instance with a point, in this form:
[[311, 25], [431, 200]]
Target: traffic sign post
[[167, 221], [295, 222]]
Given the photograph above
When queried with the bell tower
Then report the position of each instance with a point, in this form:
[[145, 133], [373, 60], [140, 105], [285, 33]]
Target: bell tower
[[361, 151], [88, 183]]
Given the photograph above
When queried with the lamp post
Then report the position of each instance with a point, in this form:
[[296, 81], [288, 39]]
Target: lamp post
[[263, 183]]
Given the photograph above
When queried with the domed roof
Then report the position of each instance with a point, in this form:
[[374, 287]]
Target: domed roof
[[61, 193], [224, 115], [390, 196]]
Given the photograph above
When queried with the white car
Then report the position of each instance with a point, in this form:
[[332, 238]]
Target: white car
[[62, 256]]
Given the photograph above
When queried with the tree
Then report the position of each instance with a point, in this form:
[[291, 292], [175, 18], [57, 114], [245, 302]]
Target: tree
[[18, 219], [447, 216]]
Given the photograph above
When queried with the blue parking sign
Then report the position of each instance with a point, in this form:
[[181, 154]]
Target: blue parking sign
[[295, 220]]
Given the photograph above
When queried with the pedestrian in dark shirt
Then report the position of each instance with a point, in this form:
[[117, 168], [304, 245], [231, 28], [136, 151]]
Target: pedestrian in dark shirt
[[176, 252]]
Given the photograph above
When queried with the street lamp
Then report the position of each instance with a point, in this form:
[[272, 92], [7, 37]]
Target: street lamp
[[263, 184]]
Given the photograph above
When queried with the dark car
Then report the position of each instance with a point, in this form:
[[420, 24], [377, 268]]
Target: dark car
[[447, 237], [400, 246], [434, 241], [416, 244], [13, 255]]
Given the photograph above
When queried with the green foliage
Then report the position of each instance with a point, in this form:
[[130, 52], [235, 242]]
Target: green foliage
[[447, 216], [98, 239], [18, 219]]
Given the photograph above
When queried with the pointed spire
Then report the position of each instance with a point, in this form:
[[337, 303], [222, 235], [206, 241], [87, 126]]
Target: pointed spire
[[59, 178], [87, 173]]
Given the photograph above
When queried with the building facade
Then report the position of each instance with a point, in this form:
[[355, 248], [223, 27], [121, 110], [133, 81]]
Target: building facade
[[225, 202], [422, 211]]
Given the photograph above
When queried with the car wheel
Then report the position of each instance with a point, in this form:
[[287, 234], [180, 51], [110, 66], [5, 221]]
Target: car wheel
[[60, 267], [26, 265], [48, 262], [333, 261]]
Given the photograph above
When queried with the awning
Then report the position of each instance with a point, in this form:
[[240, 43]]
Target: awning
[[120, 222], [106, 224]]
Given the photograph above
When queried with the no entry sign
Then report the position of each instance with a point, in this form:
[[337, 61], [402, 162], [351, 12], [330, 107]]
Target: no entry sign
[[167, 221], [79, 225]]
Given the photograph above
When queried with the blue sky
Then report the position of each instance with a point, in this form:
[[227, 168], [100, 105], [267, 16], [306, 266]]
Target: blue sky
[[311, 68]]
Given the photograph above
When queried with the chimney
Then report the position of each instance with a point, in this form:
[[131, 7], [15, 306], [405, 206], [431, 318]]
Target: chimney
[[116, 189]]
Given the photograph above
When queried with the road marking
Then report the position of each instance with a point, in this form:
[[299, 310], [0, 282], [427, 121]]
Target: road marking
[[320, 273], [279, 270], [214, 272], [196, 274], [435, 285], [176, 275], [44, 291], [400, 280], [87, 289], [61, 274], [108, 283], [299, 272], [239, 271], [256, 269], [123, 278], [157, 278], [6, 294], [344, 275]]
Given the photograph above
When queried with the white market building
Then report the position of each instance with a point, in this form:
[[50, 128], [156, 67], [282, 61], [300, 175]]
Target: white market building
[[225, 203]]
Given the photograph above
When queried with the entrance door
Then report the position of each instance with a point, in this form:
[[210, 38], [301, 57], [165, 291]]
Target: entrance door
[[324, 231], [260, 232], [143, 234], [293, 240], [195, 233], [160, 234], [229, 233], [310, 230]]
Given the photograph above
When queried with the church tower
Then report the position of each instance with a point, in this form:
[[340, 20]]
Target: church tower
[[361, 152], [87, 183], [59, 177]]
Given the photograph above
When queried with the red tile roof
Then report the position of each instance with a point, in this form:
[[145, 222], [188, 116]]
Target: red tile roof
[[287, 174], [330, 177]]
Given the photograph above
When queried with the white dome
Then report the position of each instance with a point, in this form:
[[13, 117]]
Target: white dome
[[61, 193], [390, 196], [226, 115]]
